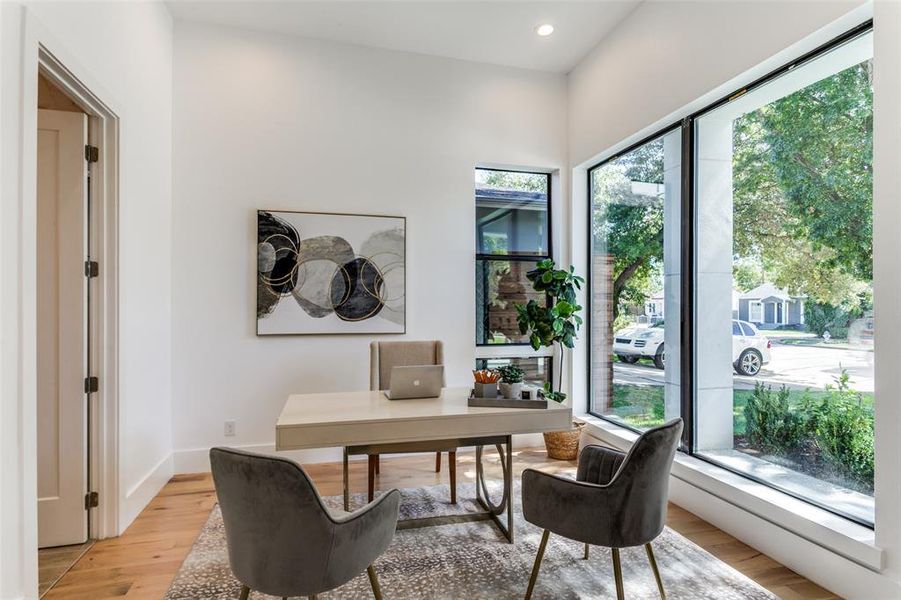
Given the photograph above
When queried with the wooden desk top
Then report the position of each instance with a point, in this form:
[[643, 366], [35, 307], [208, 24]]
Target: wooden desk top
[[357, 418]]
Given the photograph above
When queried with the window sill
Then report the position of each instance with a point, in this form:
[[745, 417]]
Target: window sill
[[841, 536]]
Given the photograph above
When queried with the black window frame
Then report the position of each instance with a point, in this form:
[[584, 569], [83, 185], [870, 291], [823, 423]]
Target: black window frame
[[486, 257], [660, 133], [687, 288]]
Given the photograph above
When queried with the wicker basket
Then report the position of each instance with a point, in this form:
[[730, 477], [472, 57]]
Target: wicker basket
[[563, 445]]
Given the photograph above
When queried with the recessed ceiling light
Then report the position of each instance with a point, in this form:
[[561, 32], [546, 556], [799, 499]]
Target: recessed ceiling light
[[544, 30]]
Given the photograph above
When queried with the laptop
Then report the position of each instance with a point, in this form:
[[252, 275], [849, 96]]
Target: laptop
[[419, 381]]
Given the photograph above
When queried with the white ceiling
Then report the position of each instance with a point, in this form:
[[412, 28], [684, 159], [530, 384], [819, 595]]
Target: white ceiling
[[499, 32]]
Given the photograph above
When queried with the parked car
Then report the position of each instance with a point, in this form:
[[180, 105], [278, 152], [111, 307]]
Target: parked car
[[750, 349]]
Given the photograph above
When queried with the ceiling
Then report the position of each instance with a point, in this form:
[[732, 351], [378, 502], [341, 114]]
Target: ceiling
[[499, 32]]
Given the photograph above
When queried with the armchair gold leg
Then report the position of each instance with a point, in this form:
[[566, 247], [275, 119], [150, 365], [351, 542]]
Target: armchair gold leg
[[374, 582], [538, 557], [586, 552], [245, 592], [654, 568], [618, 575]]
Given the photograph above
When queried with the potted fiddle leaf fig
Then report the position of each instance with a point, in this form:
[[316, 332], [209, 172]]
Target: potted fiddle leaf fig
[[554, 326], [511, 381]]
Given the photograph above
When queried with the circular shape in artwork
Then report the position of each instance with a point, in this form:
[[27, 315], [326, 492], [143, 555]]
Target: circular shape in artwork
[[356, 290]]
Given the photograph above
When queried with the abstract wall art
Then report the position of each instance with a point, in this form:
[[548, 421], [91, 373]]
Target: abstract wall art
[[323, 273]]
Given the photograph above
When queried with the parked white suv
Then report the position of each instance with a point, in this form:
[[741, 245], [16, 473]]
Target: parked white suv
[[750, 349]]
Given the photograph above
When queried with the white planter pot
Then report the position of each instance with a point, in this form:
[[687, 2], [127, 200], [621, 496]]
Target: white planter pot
[[512, 391]]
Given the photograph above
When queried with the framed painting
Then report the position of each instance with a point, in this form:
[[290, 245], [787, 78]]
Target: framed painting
[[327, 273]]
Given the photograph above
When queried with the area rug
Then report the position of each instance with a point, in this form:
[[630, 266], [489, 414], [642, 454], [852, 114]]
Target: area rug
[[473, 560]]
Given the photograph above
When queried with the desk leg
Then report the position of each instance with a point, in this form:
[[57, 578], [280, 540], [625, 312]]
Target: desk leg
[[346, 483], [482, 495], [509, 485]]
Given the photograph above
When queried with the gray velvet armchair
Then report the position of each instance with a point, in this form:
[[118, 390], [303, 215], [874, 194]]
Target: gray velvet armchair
[[282, 539], [617, 500]]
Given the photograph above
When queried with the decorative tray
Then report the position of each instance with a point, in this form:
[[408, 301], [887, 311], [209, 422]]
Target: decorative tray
[[501, 402]]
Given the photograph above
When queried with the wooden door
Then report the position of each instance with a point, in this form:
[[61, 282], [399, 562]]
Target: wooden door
[[61, 327]]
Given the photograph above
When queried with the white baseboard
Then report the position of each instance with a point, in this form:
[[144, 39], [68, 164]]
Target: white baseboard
[[197, 460], [140, 495]]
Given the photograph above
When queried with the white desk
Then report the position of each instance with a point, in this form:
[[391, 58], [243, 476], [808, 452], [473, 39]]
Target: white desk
[[367, 422]]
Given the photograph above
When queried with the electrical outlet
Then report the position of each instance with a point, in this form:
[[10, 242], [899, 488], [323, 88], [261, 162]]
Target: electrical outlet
[[229, 429]]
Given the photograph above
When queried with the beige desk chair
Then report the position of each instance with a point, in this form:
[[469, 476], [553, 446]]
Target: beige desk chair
[[384, 356]]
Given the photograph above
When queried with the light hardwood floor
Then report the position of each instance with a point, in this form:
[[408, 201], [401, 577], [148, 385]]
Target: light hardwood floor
[[54, 562], [142, 562]]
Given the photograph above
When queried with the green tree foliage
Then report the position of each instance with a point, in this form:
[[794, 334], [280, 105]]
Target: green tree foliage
[[803, 189], [629, 225], [511, 180], [747, 274]]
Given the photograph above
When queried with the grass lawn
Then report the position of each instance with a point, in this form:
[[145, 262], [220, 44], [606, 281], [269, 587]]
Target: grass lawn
[[641, 406]]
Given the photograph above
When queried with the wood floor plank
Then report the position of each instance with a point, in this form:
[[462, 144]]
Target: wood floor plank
[[141, 563]]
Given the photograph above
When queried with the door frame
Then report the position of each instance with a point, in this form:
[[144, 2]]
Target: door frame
[[103, 317]]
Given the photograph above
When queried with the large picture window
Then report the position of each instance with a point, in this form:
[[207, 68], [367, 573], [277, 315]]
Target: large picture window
[[759, 210], [784, 180]]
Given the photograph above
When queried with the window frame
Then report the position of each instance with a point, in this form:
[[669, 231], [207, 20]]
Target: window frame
[[752, 304], [487, 257], [589, 282], [688, 220]]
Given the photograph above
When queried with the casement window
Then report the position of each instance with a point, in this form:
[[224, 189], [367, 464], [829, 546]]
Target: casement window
[[513, 233]]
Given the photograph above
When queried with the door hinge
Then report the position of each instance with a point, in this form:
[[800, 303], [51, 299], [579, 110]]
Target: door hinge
[[91, 154], [91, 500], [91, 268], [91, 385]]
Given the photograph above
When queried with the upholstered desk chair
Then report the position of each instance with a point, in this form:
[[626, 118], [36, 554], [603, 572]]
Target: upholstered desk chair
[[384, 356], [617, 500], [282, 540]]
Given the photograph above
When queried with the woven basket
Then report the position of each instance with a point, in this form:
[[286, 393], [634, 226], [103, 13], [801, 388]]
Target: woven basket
[[563, 445]]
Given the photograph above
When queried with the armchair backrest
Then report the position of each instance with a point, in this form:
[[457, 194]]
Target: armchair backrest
[[277, 529], [384, 356], [643, 482]]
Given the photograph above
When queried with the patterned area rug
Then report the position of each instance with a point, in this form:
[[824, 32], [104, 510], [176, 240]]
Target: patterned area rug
[[473, 560]]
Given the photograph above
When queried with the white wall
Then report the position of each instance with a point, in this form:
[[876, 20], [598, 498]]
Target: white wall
[[669, 59], [668, 55], [265, 121], [123, 52]]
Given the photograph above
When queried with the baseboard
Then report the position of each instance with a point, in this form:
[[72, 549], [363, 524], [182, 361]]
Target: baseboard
[[140, 494], [197, 460]]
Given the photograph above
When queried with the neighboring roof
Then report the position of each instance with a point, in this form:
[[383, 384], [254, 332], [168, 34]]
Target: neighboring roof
[[509, 197], [767, 290]]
